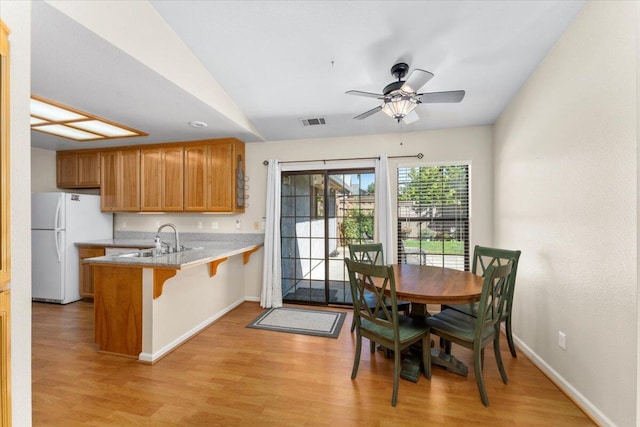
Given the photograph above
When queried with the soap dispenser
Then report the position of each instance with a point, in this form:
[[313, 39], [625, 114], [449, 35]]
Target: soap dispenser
[[158, 246]]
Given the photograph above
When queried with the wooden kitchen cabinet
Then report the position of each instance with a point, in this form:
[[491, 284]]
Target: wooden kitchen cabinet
[[195, 175], [86, 273], [214, 177], [162, 171], [117, 309], [120, 181], [66, 169], [78, 169]]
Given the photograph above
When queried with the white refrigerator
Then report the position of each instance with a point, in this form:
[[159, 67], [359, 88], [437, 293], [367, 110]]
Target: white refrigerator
[[58, 220]]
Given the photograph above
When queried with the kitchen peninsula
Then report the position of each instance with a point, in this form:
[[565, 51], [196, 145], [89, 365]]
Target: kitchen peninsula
[[145, 305]]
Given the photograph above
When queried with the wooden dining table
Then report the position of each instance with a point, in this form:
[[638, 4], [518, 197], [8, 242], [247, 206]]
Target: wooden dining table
[[425, 284]]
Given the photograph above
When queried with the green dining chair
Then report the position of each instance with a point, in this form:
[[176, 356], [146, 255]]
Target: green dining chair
[[483, 258], [382, 323], [476, 332], [372, 253]]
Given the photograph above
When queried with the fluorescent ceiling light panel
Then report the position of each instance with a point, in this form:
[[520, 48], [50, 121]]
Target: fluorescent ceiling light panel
[[60, 120], [103, 128], [37, 121], [68, 132], [52, 113]]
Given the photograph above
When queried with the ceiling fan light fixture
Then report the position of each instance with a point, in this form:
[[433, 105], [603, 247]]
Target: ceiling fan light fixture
[[399, 106], [399, 98]]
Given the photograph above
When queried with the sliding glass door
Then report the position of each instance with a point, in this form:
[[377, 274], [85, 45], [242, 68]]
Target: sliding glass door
[[321, 213]]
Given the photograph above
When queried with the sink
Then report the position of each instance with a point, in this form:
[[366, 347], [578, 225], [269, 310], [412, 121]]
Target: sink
[[148, 253]]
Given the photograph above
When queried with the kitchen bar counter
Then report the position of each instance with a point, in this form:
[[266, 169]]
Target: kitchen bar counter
[[200, 253], [144, 307]]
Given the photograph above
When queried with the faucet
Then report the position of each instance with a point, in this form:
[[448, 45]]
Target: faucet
[[175, 233]]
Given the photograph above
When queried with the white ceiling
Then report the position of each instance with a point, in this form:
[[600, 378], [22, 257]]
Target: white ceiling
[[281, 61]]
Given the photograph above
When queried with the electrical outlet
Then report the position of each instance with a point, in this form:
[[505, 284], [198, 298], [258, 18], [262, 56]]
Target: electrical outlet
[[124, 224], [157, 224], [237, 224], [214, 225], [256, 225], [200, 224], [562, 340]]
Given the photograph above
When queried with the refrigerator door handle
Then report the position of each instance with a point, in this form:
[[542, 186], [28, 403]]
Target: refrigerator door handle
[[56, 217], [56, 236], [56, 227]]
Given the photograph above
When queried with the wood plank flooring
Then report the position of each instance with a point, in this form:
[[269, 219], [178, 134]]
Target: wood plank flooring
[[230, 375]]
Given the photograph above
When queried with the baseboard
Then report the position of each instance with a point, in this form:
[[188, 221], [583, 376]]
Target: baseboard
[[152, 358], [578, 398], [252, 299]]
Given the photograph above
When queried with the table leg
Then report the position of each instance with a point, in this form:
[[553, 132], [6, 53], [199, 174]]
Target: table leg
[[439, 357]]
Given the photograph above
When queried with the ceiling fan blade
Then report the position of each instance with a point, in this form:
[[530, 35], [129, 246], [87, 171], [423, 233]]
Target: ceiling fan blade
[[367, 94], [416, 80], [435, 97], [411, 118], [368, 113]]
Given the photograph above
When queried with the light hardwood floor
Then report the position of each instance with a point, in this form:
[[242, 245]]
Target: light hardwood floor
[[230, 375]]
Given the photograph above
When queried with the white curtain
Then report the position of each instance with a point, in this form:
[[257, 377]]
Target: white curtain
[[384, 230], [272, 274]]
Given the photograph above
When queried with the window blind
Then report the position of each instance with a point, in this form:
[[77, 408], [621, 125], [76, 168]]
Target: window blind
[[433, 216]]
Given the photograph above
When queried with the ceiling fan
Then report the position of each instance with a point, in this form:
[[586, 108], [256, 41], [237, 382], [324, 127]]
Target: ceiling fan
[[399, 99]]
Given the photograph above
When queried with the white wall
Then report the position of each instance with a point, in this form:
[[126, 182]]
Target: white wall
[[43, 170], [17, 16], [566, 195]]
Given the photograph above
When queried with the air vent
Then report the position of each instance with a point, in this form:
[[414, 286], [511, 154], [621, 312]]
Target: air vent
[[313, 122]]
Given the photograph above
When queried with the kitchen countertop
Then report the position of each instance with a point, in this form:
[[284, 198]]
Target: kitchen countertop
[[203, 252]]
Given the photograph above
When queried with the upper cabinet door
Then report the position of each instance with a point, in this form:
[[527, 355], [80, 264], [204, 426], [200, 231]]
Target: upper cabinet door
[[130, 181], [78, 169], [89, 170], [220, 180], [109, 181], [161, 171], [66, 169], [172, 179], [150, 184], [120, 181], [195, 178]]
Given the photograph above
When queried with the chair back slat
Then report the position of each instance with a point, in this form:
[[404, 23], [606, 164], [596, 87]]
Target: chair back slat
[[485, 257], [363, 278], [493, 300], [368, 253]]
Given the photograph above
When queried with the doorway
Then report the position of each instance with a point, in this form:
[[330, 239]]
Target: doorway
[[321, 212]]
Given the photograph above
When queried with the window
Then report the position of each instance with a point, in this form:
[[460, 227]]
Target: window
[[433, 216]]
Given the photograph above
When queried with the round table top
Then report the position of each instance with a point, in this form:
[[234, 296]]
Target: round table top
[[436, 285]]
